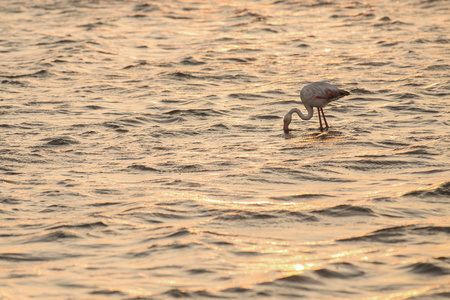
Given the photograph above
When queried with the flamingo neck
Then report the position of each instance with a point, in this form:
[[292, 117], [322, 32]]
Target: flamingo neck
[[300, 114]]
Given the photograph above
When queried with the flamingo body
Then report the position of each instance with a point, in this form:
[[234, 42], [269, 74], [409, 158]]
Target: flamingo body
[[316, 94]]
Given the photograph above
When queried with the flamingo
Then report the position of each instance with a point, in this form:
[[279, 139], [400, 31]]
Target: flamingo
[[316, 94]]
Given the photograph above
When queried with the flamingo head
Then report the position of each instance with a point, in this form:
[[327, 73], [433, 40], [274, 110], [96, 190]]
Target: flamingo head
[[287, 120]]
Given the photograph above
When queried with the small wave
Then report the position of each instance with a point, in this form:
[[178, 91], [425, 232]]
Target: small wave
[[387, 44], [387, 235], [368, 99], [436, 41], [94, 107], [61, 141], [66, 41], [38, 74], [182, 183], [199, 112], [398, 234], [442, 41], [408, 108], [90, 26], [299, 279], [298, 216], [177, 293], [406, 96], [107, 192], [218, 126], [275, 92], [107, 203], [430, 171], [140, 167], [146, 7], [191, 61], [199, 271], [191, 168], [374, 164], [244, 13], [340, 270], [111, 292], [247, 253], [178, 17], [137, 65], [14, 82], [442, 67], [276, 216], [373, 63], [443, 190], [430, 269], [238, 290], [9, 200], [239, 59], [114, 125], [305, 175], [421, 41], [361, 91], [21, 159], [179, 233], [299, 197], [157, 217], [80, 226], [20, 257], [317, 3], [345, 210], [386, 21], [138, 15], [246, 96], [420, 152], [244, 215], [134, 121], [266, 117], [236, 77], [164, 119], [5, 212], [54, 236], [181, 75]]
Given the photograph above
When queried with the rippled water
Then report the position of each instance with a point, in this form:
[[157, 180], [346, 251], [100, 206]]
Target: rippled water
[[142, 152]]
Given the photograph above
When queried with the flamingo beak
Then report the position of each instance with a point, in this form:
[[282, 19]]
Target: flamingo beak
[[286, 127]]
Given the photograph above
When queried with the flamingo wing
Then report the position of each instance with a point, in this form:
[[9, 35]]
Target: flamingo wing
[[324, 91]]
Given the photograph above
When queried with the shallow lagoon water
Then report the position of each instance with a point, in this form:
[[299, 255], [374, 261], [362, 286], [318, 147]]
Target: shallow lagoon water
[[142, 152]]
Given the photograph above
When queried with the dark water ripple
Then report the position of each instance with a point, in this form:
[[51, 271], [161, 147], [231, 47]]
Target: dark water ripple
[[442, 190], [346, 211], [398, 234]]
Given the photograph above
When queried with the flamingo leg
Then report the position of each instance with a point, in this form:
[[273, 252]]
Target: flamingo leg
[[325, 119], [320, 120]]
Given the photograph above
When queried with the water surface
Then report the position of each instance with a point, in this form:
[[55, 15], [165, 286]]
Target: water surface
[[142, 152]]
